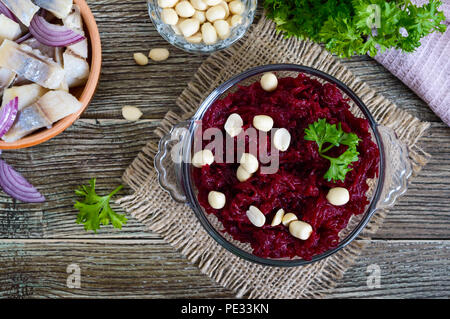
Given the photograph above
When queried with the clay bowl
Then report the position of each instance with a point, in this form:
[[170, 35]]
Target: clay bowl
[[84, 94]]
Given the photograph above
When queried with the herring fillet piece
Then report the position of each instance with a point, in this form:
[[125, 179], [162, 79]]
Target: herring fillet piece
[[6, 78], [76, 68], [9, 29], [51, 107], [60, 8], [24, 10], [28, 94], [54, 53], [44, 49], [22, 60], [74, 21]]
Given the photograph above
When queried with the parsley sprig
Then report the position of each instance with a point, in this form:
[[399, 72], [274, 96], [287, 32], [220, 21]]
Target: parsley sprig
[[324, 133], [95, 209], [345, 26]]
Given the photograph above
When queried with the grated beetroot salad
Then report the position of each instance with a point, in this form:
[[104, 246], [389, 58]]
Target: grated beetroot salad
[[298, 187]]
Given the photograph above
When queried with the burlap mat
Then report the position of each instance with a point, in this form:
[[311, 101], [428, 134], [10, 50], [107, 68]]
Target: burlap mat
[[177, 224]]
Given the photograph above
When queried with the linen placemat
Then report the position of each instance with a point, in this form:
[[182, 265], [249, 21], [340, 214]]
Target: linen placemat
[[427, 70], [178, 225]]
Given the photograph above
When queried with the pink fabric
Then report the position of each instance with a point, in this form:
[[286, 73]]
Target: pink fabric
[[426, 71]]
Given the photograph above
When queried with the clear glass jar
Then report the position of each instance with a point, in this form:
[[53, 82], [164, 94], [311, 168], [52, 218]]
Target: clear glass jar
[[179, 41], [175, 176]]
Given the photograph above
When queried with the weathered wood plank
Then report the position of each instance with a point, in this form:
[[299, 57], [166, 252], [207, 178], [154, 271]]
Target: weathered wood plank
[[104, 149], [408, 269], [152, 269]]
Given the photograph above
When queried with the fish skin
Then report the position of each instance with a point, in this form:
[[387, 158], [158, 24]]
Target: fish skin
[[6, 78], [31, 65], [52, 107], [76, 68], [60, 8], [24, 10], [74, 21]]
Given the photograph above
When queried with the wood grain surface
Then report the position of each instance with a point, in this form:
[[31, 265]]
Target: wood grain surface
[[38, 242]]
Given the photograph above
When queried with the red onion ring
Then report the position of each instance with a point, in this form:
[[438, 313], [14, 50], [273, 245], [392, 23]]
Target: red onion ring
[[16, 186], [4, 10], [53, 35], [8, 114], [24, 38]]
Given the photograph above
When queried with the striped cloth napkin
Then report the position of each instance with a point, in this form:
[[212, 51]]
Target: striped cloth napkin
[[426, 71]]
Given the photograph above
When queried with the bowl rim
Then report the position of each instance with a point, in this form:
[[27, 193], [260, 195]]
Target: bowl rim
[[88, 90], [187, 181]]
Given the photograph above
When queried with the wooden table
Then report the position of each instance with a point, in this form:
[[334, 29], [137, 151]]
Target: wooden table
[[38, 242]]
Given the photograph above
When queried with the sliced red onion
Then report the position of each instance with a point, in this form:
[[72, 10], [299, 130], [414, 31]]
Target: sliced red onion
[[4, 10], [52, 34], [8, 114], [24, 38], [16, 186]]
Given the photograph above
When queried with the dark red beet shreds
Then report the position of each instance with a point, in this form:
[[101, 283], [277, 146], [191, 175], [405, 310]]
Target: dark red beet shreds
[[298, 187]]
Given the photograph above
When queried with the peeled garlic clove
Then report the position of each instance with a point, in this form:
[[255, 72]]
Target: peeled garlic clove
[[236, 7], [222, 29], [140, 58], [256, 217], [215, 13], [184, 9], [217, 200], [233, 125], [263, 123], [159, 54], [202, 158], [242, 175], [288, 218], [189, 27], [269, 82], [131, 113], [282, 139], [235, 20], [209, 33], [169, 16], [277, 219], [300, 230], [338, 196], [226, 8], [249, 162], [200, 16]]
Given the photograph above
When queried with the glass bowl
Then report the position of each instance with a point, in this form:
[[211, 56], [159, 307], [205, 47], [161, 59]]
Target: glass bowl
[[172, 163], [179, 41]]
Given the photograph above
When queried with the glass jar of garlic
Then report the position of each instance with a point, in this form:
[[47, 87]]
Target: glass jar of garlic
[[202, 26]]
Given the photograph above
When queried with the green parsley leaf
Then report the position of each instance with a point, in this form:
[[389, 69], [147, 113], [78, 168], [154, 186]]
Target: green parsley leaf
[[322, 133], [345, 26], [95, 209]]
